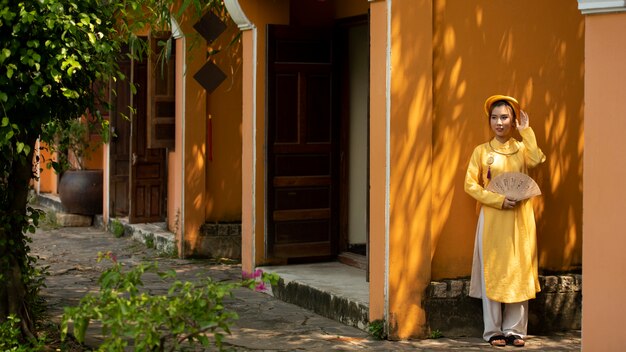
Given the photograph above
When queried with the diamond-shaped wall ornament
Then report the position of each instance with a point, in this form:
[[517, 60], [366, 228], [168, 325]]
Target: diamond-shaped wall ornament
[[210, 76], [210, 26]]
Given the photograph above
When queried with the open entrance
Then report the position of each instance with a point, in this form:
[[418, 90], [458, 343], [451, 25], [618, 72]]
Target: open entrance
[[317, 142], [137, 173]]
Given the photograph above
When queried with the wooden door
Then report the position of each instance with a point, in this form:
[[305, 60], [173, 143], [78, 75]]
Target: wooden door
[[302, 133], [119, 147], [147, 171]]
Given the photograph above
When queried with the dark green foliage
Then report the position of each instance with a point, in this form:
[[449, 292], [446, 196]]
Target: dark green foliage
[[117, 228], [189, 313], [56, 60], [377, 329]]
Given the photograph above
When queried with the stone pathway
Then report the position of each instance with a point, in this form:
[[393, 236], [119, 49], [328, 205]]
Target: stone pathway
[[265, 323]]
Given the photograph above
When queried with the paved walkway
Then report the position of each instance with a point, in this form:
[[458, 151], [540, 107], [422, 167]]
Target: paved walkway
[[265, 323]]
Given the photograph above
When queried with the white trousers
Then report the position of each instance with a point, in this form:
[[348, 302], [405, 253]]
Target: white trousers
[[514, 319]]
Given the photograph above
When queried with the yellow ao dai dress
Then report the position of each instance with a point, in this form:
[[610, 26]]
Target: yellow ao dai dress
[[509, 235]]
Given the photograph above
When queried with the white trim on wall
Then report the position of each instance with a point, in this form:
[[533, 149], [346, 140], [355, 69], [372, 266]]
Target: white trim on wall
[[601, 6], [236, 13]]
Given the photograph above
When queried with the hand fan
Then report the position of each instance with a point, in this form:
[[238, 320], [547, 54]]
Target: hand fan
[[514, 185]]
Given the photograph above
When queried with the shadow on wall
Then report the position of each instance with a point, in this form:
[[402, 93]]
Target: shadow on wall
[[516, 48]]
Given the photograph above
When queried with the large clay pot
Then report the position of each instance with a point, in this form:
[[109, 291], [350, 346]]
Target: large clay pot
[[81, 191]]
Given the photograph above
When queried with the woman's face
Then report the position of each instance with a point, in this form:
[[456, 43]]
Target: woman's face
[[501, 122]]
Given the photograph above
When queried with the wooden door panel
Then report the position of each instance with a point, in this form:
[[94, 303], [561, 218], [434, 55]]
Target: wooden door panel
[[301, 164], [302, 144], [318, 109], [286, 127], [309, 230], [290, 198], [147, 199]]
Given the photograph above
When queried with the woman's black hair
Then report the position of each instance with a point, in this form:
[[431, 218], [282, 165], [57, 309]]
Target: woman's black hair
[[500, 103]]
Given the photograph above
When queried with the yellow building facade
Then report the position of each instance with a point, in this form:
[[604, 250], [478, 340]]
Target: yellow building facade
[[406, 85]]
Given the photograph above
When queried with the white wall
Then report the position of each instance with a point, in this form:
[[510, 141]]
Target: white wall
[[358, 54]]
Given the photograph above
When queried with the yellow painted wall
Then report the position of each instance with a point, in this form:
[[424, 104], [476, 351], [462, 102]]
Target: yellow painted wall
[[532, 50], [378, 160], [174, 156], [194, 137], [223, 199], [410, 183], [605, 161]]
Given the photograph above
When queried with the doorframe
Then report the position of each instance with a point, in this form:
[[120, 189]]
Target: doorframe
[[341, 29]]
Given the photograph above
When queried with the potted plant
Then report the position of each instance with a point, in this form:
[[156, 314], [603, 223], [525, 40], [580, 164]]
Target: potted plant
[[80, 189]]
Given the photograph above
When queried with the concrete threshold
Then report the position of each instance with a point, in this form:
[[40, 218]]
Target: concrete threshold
[[331, 289]]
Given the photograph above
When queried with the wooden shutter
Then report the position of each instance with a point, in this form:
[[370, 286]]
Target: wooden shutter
[[161, 90]]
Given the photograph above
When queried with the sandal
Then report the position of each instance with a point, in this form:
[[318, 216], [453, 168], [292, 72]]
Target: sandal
[[497, 341], [515, 340]]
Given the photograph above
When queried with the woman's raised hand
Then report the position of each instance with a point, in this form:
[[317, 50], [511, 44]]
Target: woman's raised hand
[[523, 120]]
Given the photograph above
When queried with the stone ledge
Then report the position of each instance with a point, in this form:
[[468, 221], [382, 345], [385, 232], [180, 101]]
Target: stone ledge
[[558, 307], [221, 229], [219, 240], [73, 220], [324, 303]]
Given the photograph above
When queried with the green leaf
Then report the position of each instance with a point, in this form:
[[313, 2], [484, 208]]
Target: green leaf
[[92, 38], [4, 54], [20, 147], [5, 121]]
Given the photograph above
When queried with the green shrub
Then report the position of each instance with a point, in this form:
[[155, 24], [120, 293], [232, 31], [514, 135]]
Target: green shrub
[[117, 228], [377, 329], [191, 313], [11, 335], [436, 334]]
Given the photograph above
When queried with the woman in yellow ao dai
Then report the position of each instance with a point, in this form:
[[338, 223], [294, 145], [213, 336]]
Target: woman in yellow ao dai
[[504, 269]]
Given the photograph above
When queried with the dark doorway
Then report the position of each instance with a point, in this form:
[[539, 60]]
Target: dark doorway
[[119, 147], [137, 172]]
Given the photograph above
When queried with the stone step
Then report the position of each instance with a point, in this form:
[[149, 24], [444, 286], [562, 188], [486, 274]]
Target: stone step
[[340, 292], [332, 290]]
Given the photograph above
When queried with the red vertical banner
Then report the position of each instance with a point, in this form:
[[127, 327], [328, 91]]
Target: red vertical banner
[[210, 138]]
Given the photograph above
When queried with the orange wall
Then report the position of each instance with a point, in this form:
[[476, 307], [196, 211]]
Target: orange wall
[[410, 180], [484, 48], [605, 160], [194, 136], [223, 183], [174, 156], [48, 179], [378, 161]]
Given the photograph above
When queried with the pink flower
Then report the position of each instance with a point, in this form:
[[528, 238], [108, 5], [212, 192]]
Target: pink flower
[[246, 275], [260, 286]]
